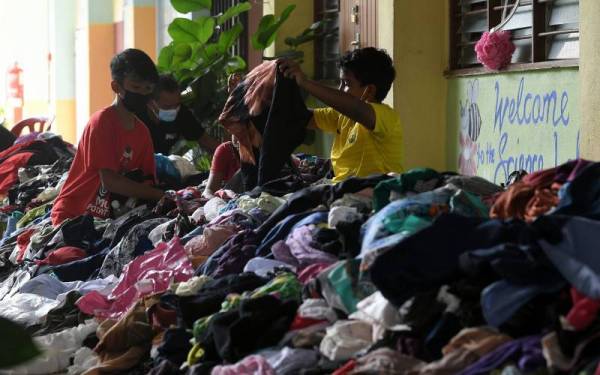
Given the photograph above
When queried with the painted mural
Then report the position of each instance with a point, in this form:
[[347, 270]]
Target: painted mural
[[514, 122]]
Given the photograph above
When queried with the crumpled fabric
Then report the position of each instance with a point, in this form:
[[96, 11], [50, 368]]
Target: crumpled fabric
[[386, 361], [317, 309], [63, 255], [414, 181], [57, 350], [191, 286], [526, 199], [232, 256], [265, 202], [584, 311], [50, 287], [405, 217], [156, 235], [342, 214], [251, 365], [26, 309], [526, 352], [464, 349], [474, 185], [345, 338], [124, 342], [33, 214], [14, 282], [213, 207], [147, 274], [570, 247], [247, 100], [379, 312], [363, 204], [298, 250], [184, 166], [288, 361], [84, 359], [263, 267], [307, 274], [128, 247], [213, 236]]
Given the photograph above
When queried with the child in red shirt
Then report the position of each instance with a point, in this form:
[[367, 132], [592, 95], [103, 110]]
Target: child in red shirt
[[225, 163], [113, 143]]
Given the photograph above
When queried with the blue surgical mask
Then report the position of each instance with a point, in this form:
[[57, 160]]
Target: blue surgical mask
[[168, 115]]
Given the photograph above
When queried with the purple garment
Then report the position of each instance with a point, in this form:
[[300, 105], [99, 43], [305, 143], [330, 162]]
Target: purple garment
[[239, 249], [298, 250], [526, 352]]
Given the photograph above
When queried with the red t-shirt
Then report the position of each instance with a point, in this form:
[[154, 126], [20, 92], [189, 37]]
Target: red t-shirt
[[225, 161], [105, 144]]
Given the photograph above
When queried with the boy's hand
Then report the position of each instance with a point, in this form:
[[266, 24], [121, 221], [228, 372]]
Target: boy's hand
[[291, 69]]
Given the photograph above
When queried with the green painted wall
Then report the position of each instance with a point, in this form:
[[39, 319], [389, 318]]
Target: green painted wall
[[529, 120]]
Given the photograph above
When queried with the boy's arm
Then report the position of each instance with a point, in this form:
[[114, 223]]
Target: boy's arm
[[115, 183], [354, 108]]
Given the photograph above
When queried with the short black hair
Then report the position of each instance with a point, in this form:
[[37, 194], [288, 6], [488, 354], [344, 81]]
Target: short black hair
[[133, 63], [166, 82], [371, 66]]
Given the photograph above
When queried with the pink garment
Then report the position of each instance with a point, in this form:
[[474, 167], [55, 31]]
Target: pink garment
[[584, 311], [309, 273], [251, 365], [145, 275], [212, 237]]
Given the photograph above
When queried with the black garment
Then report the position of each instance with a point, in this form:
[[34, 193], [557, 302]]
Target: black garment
[[258, 323], [165, 367], [166, 134], [175, 346], [283, 131], [232, 256], [209, 298], [80, 232], [65, 315], [6, 138], [430, 258], [313, 196], [285, 128], [82, 269], [582, 197]]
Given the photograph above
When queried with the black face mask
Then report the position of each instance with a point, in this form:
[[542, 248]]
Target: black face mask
[[134, 102]]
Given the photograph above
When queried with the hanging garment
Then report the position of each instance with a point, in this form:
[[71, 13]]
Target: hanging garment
[[265, 96]]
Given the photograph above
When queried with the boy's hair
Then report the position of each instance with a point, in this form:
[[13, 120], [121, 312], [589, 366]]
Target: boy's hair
[[371, 66], [135, 64], [166, 82]]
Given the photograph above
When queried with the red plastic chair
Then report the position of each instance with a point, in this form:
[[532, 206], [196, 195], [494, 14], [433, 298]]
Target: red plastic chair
[[43, 125]]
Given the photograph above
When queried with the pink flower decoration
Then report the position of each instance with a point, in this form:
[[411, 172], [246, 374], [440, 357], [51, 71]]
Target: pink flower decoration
[[495, 49]]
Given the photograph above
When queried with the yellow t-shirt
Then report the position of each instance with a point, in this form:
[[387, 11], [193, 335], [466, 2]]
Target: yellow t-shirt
[[358, 151]]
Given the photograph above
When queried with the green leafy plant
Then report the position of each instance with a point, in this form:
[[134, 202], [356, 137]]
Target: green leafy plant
[[200, 56], [16, 346]]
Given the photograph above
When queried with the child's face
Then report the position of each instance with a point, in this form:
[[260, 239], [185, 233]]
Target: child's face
[[169, 100], [135, 85], [350, 85]]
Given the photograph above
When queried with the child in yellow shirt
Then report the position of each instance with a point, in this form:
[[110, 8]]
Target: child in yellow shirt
[[368, 134]]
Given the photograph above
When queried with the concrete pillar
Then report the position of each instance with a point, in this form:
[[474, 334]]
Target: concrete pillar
[[139, 24], [63, 17], [589, 71], [94, 48]]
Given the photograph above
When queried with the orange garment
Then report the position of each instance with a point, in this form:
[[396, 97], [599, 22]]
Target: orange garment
[[248, 100]]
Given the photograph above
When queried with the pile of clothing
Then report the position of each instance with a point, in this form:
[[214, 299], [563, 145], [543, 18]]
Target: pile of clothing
[[417, 273]]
